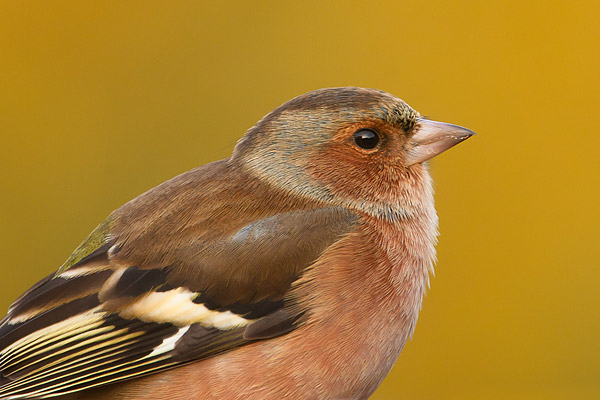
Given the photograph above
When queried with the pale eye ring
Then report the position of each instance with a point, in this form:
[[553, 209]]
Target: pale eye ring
[[366, 139]]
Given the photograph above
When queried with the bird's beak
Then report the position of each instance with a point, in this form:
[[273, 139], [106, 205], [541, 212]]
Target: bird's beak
[[432, 138]]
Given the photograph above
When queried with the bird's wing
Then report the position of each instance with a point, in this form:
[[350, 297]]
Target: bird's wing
[[105, 316]]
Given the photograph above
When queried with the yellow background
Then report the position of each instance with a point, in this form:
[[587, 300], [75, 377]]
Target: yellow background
[[100, 101]]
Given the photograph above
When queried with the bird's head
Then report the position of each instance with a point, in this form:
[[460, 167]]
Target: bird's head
[[353, 147]]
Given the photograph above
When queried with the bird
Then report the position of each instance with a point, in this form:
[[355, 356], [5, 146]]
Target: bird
[[294, 269]]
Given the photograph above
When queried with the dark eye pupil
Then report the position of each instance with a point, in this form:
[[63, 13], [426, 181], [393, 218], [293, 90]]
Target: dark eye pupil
[[366, 138]]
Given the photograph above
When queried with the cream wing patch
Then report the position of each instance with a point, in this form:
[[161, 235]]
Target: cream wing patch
[[177, 307]]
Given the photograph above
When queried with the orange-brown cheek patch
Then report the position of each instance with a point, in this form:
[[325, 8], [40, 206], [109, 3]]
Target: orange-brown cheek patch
[[339, 169], [356, 174]]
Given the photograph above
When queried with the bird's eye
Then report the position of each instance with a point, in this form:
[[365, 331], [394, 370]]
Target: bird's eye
[[366, 139]]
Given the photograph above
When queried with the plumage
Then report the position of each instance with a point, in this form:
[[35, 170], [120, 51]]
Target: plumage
[[295, 268]]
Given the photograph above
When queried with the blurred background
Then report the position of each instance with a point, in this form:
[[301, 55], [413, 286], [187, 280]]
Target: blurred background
[[100, 101]]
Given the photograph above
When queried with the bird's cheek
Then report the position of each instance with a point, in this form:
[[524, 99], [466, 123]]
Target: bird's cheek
[[343, 174]]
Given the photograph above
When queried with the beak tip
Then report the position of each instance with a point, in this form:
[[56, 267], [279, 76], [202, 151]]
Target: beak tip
[[469, 134], [463, 134]]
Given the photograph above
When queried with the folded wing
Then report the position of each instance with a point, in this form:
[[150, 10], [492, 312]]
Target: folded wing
[[107, 316]]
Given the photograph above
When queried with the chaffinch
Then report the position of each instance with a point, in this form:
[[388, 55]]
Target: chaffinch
[[293, 269]]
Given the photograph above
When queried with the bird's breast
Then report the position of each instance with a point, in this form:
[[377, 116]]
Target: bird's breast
[[364, 295]]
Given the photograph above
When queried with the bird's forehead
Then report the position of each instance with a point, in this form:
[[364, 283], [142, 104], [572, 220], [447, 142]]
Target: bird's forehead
[[398, 114], [330, 107]]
